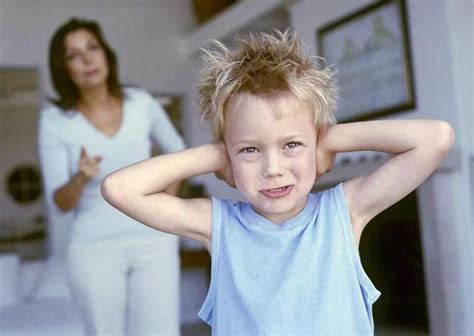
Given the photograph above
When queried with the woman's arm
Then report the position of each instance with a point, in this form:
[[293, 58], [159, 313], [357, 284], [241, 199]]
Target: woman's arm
[[62, 191], [419, 147], [138, 191], [67, 196], [54, 162]]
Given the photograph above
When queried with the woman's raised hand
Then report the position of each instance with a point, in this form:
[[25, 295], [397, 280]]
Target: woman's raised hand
[[88, 165]]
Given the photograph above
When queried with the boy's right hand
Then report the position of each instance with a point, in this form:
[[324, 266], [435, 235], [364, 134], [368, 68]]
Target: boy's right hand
[[88, 166], [226, 176], [225, 173]]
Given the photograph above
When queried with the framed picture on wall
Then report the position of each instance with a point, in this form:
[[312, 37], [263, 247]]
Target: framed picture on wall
[[370, 52]]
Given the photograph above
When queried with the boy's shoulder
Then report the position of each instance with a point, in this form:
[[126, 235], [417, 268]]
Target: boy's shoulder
[[228, 203]]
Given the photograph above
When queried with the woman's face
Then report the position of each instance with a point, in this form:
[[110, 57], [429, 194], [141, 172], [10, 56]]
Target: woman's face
[[85, 60]]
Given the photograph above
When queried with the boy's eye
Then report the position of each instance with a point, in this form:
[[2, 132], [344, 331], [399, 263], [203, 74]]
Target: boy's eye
[[293, 144], [249, 150]]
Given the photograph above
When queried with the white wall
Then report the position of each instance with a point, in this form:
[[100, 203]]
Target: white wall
[[460, 15], [461, 29]]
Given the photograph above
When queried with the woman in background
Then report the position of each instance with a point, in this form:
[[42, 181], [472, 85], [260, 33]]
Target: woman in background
[[124, 277]]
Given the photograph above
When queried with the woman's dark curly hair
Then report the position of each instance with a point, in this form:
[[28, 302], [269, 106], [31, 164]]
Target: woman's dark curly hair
[[67, 91]]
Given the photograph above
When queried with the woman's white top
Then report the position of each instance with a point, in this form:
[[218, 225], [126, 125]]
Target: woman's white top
[[61, 135]]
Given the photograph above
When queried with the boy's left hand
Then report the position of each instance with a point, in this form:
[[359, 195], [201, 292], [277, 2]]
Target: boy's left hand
[[324, 157]]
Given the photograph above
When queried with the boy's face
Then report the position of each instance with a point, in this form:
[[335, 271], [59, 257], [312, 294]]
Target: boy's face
[[273, 155]]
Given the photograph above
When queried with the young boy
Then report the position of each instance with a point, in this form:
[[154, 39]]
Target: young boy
[[286, 262]]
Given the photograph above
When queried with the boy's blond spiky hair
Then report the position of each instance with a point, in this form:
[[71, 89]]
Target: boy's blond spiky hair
[[263, 64]]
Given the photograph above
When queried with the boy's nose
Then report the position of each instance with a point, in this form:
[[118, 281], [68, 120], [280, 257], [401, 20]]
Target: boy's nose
[[272, 166]]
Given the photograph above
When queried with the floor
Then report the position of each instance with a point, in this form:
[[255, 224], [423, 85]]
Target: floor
[[54, 317], [385, 331], [198, 329], [202, 329]]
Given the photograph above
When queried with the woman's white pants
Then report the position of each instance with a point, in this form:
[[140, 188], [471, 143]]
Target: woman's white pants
[[127, 286]]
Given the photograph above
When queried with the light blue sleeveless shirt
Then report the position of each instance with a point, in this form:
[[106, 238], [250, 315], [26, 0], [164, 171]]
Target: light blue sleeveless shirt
[[303, 277]]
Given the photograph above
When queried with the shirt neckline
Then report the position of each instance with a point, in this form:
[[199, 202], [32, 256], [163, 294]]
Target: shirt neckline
[[95, 130], [255, 220]]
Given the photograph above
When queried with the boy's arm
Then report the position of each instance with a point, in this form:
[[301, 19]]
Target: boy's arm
[[139, 191], [418, 145]]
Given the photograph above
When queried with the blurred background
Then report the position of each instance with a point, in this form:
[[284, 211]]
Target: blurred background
[[419, 253]]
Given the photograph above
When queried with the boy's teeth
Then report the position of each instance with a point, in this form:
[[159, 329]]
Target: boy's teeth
[[277, 189]]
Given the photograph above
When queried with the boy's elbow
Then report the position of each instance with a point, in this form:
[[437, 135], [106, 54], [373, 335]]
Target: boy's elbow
[[444, 135], [109, 188]]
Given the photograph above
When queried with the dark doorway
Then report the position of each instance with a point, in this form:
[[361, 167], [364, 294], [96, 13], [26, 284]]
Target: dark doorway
[[391, 252]]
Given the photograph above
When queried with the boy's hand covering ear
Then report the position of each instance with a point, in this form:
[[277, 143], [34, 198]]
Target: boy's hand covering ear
[[324, 157], [226, 176], [225, 173]]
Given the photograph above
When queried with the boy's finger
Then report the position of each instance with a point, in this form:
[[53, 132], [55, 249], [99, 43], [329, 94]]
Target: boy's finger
[[97, 159]]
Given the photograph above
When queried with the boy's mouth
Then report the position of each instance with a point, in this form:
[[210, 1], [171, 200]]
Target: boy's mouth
[[277, 192]]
